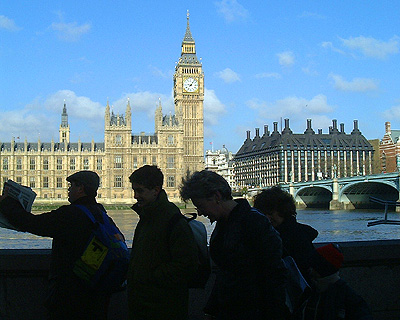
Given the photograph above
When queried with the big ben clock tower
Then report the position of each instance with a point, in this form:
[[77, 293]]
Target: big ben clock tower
[[188, 98]]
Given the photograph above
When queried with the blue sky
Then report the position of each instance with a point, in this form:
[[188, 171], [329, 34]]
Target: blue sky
[[263, 61]]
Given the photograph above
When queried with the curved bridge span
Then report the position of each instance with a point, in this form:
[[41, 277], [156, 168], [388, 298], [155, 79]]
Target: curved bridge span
[[345, 193]]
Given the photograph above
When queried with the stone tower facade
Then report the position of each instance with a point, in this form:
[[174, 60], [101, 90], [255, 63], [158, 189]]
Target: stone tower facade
[[176, 146], [188, 99], [64, 126]]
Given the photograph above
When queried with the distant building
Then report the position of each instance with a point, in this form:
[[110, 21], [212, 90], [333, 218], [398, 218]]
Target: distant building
[[176, 146], [376, 160], [284, 157], [220, 161], [389, 149]]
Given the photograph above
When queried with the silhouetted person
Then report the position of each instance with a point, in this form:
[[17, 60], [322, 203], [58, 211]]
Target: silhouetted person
[[297, 238], [246, 248], [70, 229], [162, 260]]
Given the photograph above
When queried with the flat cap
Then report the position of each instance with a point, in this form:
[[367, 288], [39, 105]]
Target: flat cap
[[85, 177]]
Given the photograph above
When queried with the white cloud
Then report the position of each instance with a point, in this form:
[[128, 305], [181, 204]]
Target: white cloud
[[23, 124], [79, 107], [228, 75], [356, 85], [213, 108], [145, 102], [329, 45], [286, 58], [310, 71], [8, 24], [232, 10], [268, 75], [371, 47], [392, 114], [159, 73], [70, 31]]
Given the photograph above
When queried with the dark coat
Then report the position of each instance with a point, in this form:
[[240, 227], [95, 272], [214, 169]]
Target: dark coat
[[297, 241], [162, 262], [70, 229], [338, 302], [251, 275]]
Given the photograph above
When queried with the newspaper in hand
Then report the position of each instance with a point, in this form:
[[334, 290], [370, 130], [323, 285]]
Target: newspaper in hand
[[23, 194]]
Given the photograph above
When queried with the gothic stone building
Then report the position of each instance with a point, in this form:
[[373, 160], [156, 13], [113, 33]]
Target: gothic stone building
[[176, 145], [283, 157]]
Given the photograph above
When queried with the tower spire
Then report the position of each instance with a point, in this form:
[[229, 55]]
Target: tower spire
[[64, 116], [64, 126], [188, 54], [188, 35]]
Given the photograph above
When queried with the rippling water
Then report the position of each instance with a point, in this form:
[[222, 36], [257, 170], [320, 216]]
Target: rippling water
[[331, 225]]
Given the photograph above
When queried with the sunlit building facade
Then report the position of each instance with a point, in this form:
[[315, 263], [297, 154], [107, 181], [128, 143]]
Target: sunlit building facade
[[220, 161], [284, 157], [389, 150]]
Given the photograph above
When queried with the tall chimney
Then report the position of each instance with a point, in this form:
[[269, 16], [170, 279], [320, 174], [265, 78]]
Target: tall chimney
[[388, 127], [248, 134], [266, 132], [355, 130], [287, 124]]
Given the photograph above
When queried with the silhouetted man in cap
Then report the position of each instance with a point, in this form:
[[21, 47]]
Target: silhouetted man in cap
[[70, 229]]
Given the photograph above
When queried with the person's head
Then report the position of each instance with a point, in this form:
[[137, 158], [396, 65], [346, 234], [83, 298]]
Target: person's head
[[83, 183], [275, 203], [325, 261], [208, 192], [146, 183]]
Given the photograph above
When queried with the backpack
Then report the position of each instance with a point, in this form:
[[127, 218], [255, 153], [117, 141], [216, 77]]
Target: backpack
[[200, 236], [103, 264]]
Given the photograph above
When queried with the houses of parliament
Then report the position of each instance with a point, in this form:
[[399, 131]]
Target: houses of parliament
[[176, 146]]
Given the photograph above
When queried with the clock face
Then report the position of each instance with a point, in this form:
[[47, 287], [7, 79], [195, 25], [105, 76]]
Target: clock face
[[190, 85]]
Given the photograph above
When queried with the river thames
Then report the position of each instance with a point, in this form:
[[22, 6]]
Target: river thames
[[333, 226]]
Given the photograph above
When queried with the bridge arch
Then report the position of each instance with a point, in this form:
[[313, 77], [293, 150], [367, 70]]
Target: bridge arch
[[356, 194], [314, 196]]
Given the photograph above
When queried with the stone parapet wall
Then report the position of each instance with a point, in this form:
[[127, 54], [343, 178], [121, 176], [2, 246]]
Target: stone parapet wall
[[372, 268]]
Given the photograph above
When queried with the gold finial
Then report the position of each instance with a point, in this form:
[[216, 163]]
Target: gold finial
[[187, 15]]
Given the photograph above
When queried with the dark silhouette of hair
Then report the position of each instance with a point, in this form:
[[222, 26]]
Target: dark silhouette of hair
[[275, 199], [148, 176], [204, 184]]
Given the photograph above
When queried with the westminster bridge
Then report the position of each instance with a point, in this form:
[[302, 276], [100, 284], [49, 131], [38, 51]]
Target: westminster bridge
[[345, 193]]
